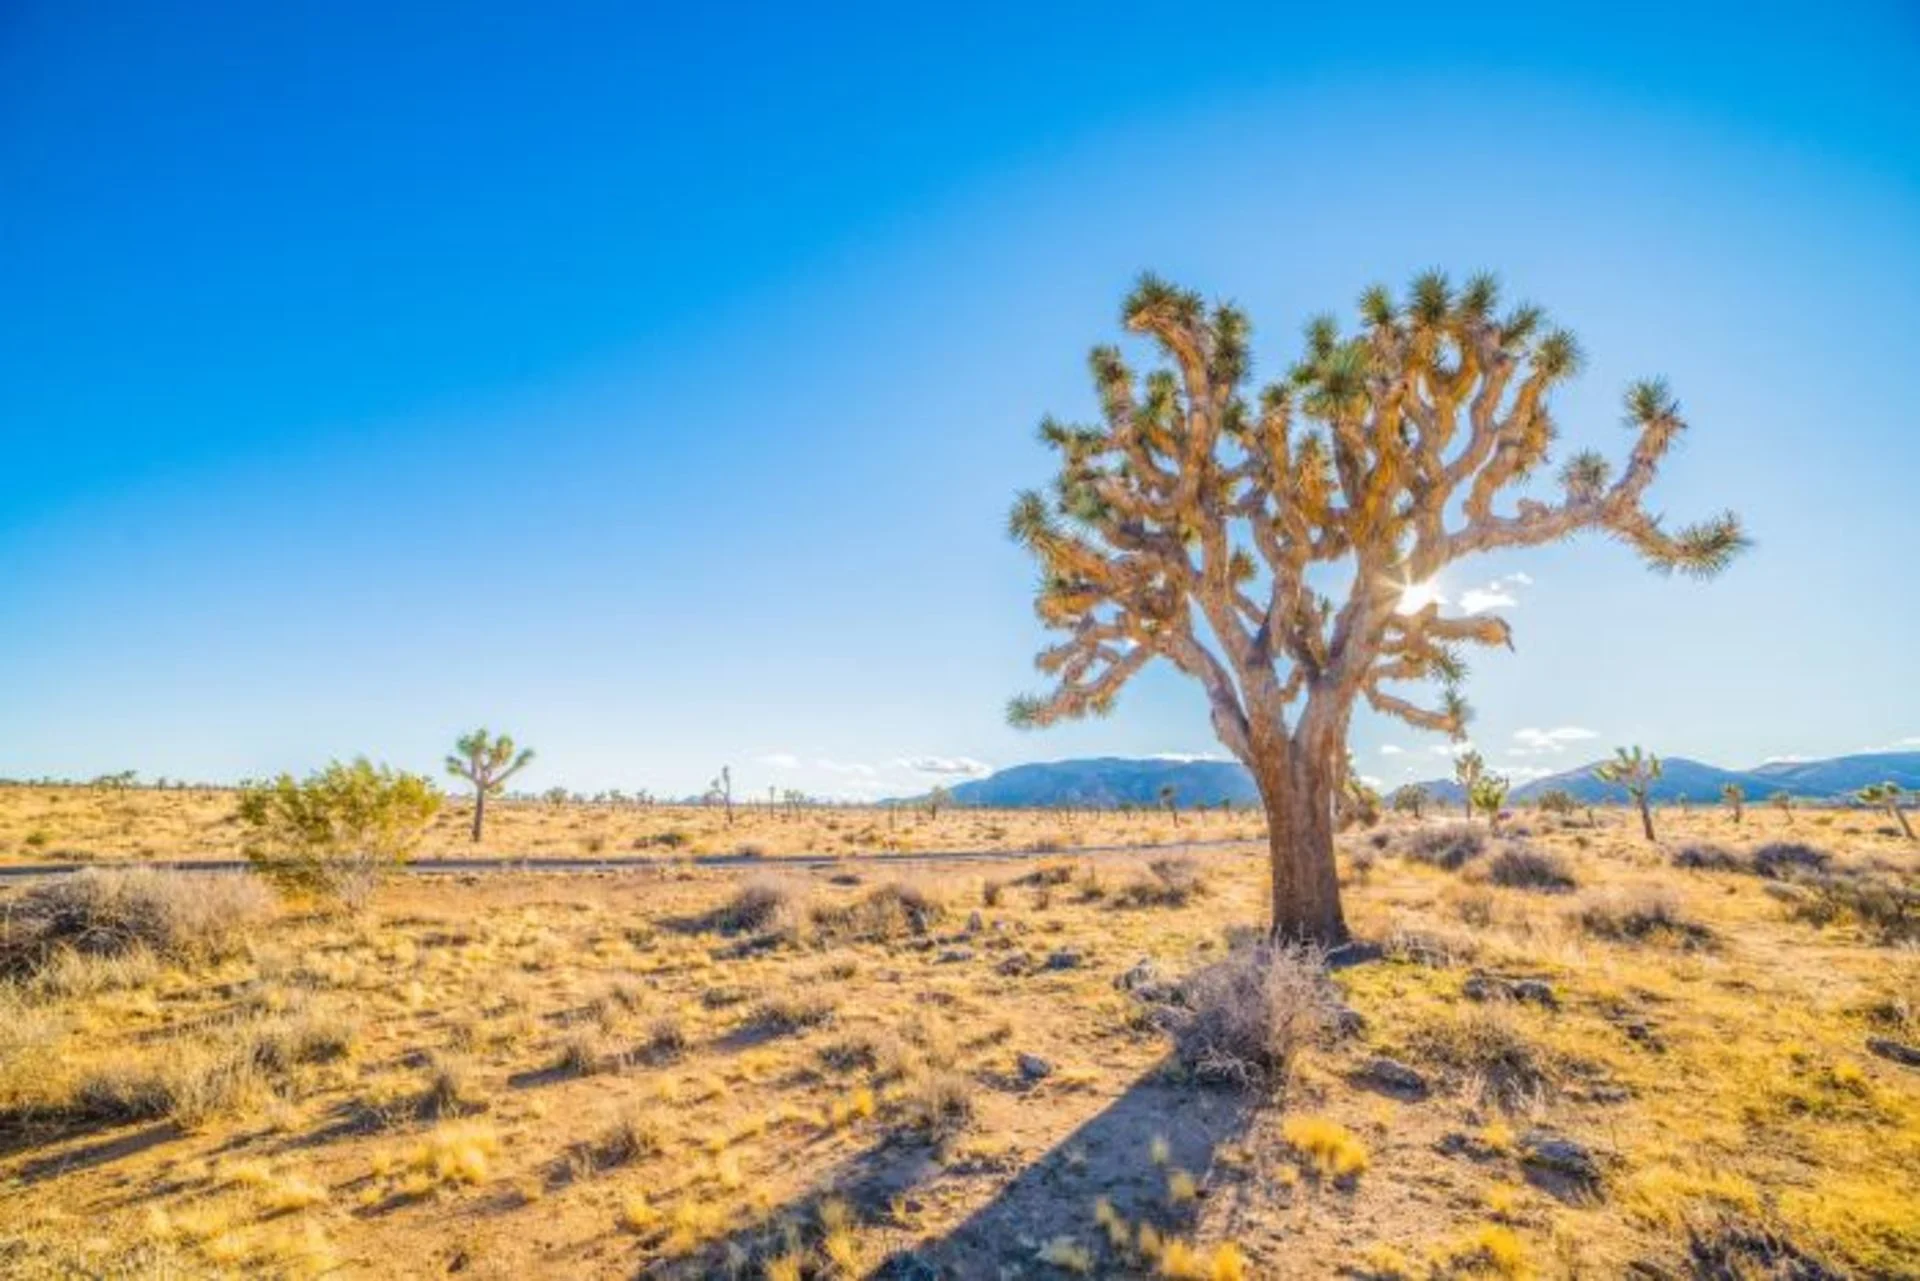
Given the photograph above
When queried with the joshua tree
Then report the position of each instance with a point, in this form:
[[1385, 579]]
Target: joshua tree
[[1411, 798], [1489, 795], [936, 798], [1736, 798], [487, 763], [1467, 769], [1886, 796], [1636, 771], [1170, 801], [1197, 522], [1785, 801], [721, 790]]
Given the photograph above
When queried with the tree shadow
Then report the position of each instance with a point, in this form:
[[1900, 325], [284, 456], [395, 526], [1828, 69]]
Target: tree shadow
[[1124, 1154], [102, 1152]]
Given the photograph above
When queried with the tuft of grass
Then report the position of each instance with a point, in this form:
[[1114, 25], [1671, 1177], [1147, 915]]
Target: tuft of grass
[[1330, 1149], [1171, 882], [792, 1011], [1525, 868], [100, 912], [1487, 1048], [1642, 914]]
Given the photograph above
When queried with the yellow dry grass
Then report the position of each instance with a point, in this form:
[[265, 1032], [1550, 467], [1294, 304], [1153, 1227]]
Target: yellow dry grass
[[818, 1100]]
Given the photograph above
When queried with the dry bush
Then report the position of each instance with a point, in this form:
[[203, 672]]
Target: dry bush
[[185, 1084], [1448, 845], [1732, 1248], [1173, 882], [792, 1011], [451, 1088], [1704, 856], [632, 1136], [1780, 860], [1489, 1052], [761, 906], [1888, 911], [1641, 914], [1243, 1019], [937, 1102], [1525, 868], [890, 911], [111, 913]]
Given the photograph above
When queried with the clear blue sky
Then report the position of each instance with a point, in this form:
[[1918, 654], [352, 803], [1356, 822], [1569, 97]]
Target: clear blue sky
[[654, 385]]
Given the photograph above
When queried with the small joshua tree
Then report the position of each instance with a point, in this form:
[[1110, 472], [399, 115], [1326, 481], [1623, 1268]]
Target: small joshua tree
[[720, 790], [1636, 771], [1489, 796], [1467, 769], [1886, 796], [1735, 797], [1170, 802], [487, 763], [936, 799], [1784, 802], [1411, 798], [1199, 522]]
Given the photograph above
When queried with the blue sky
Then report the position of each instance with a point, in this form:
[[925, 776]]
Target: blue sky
[[654, 385]]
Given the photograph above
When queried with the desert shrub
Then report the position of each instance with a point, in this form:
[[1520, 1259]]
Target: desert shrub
[[762, 905], [1642, 914], [1703, 856], [1779, 860], [893, 910], [1051, 874], [791, 1011], [666, 1040], [450, 1088], [1489, 1054], [187, 1084], [631, 1136], [1448, 845], [1728, 1247], [110, 914], [335, 833], [1882, 908], [1242, 1019], [1170, 882], [1557, 800], [1523, 867], [936, 1102]]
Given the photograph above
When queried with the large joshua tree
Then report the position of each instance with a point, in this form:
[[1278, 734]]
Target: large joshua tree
[[487, 763], [1201, 523]]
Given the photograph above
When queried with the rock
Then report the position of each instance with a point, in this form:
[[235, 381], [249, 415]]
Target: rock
[[1017, 964], [1474, 1148], [1394, 1075], [1066, 958], [955, 955], [1560, 1155], [1034, 1068], [1905, 1055], [1494, 987]]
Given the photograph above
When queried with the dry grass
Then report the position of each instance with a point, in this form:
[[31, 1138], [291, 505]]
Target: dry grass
[[376, 1097]]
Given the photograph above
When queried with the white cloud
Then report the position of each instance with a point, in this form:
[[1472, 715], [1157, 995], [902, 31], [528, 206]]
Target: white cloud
[[1538, 742], [1525, 773], [846, 767], [1912, 740], [1417, 596], [1785, 760], [780, 760], [945, 765], [1187, 758], [1372, 781], [1478, 600], [1392, 749], [1451, 749]]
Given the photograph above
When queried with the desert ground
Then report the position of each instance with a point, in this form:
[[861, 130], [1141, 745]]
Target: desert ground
[[89, 824], [1560, 1051]]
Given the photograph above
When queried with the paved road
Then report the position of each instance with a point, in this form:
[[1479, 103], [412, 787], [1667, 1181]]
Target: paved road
[[496, 866]]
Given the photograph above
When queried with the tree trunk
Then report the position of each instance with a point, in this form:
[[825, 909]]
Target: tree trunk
[[1296, 788], [1646, 818], [1900, 817], [479, 811]]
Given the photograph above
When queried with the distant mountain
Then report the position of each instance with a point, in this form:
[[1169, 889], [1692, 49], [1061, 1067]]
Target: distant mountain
[[1112, 781], [1683, 779]]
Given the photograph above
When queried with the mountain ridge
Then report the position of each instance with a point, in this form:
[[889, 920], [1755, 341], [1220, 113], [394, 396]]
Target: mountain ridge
[[1103, 782]]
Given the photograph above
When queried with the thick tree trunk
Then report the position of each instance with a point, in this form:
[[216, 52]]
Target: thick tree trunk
[[1296, 787], [479, 811]]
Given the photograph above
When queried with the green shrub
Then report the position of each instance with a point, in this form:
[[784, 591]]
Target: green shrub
[[334, 833]]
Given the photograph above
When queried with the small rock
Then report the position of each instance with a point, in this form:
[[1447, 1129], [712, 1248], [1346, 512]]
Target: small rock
[[954, 955], [1493, 987], [1395, 1075], [1034, 1068], [1537, 991], [1017, 964], [1905, 1055], [1559, 1154], [1474, 1148], [1066, 958]]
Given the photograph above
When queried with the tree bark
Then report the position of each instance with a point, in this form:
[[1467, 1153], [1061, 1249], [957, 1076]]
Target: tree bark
[[479, 811], [1899, 816], [1296, 789], [1646, 819]]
